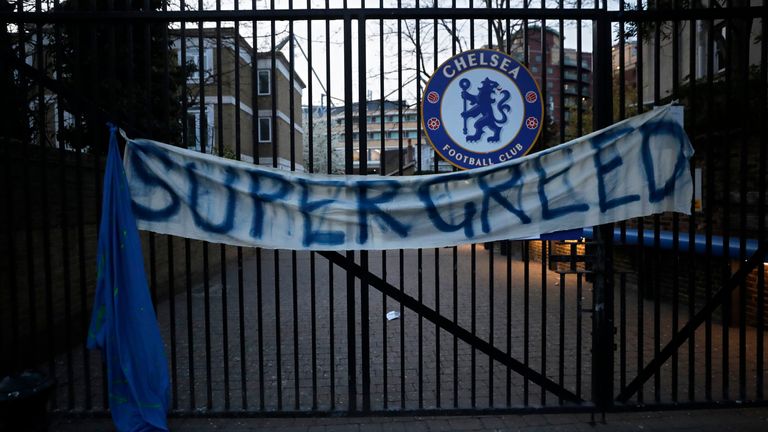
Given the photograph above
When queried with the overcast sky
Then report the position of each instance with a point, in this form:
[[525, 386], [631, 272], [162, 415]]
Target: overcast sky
[[319, 47]]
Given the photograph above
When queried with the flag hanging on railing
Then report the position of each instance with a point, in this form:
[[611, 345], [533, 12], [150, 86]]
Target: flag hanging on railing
[[123, 322]]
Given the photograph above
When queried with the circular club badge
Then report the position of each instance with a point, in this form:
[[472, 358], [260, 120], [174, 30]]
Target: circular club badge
[[480, 108]]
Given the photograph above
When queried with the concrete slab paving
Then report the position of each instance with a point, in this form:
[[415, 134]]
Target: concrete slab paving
[[705, 420]]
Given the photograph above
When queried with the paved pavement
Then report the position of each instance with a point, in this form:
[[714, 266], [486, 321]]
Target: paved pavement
[[719, 420], [232, 354]]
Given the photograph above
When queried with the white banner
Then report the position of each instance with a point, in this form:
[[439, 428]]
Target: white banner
[[634, 168]]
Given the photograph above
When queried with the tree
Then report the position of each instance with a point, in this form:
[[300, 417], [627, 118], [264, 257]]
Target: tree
[[319, 157], [120, 72]]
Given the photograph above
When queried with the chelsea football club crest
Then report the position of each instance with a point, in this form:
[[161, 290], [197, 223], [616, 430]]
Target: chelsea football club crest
[[480, 108]]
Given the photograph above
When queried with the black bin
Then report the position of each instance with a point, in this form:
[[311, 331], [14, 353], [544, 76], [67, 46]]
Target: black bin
[[23, 402]]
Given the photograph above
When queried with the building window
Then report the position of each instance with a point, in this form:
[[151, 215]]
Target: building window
[[192, 57], [719, 37], [60, 129], [549, 71], [194, 132], [265, 129], [264, 84]]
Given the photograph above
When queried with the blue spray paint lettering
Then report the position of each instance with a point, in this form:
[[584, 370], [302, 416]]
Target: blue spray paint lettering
[[149, 179], [306, 207], [367, 205], [654, 130], [546, 211], [434, 215], [497, 193], [259, 198], [228, 221], [602, 169]]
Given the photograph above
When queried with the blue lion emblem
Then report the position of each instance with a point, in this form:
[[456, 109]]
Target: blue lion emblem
[[482, 107]]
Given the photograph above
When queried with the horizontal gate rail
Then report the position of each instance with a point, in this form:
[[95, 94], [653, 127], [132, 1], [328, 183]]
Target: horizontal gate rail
[[422, 13], [451, 327], [687, 331]]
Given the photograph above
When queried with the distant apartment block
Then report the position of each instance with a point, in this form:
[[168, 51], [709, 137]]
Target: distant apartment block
[[394, 126], [573, 73]]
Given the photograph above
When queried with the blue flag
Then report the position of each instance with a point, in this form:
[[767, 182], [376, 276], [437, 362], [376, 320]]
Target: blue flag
[[123, 322]]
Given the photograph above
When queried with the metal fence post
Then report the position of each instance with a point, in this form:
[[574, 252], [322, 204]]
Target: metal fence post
[[602, 334]]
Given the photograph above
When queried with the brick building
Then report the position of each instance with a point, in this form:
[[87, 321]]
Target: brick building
[[253, 103], [572, 74]]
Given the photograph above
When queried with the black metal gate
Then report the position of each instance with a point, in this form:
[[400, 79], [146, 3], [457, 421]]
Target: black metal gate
[[517, 325]]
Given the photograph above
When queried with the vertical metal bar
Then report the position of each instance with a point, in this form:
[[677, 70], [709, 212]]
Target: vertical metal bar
[[64, 225], [508, 323], [329, 158], [657, 223], [10, 363], [544, 137], [526, 311], [438, 368], [692, 222], [348, 164], [312, 257], [201, 61], [725, 272], [402, 324], [294, 277], [419, 252], [579, 71], [455, 270], [490, 322], [761, 287], [190, 330], [623, 330], [219, 76], [455, 299], [239, 258], [561, 341], [172, 323], [641, 274], [489, 247], [561, 77], [708, 210], [743, 81], [165, 118], [276, 253], [675, 216], [383, 171], [473, 271], [187, 244], [255, 125], [14, 359], [83, 291], [543, 345], [400, 163], [602, 339], [363, 148], [45, 228], [579, 303], [473, 307]]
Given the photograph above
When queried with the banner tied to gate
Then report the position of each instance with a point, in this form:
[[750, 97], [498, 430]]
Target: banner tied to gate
[[634, 168]]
